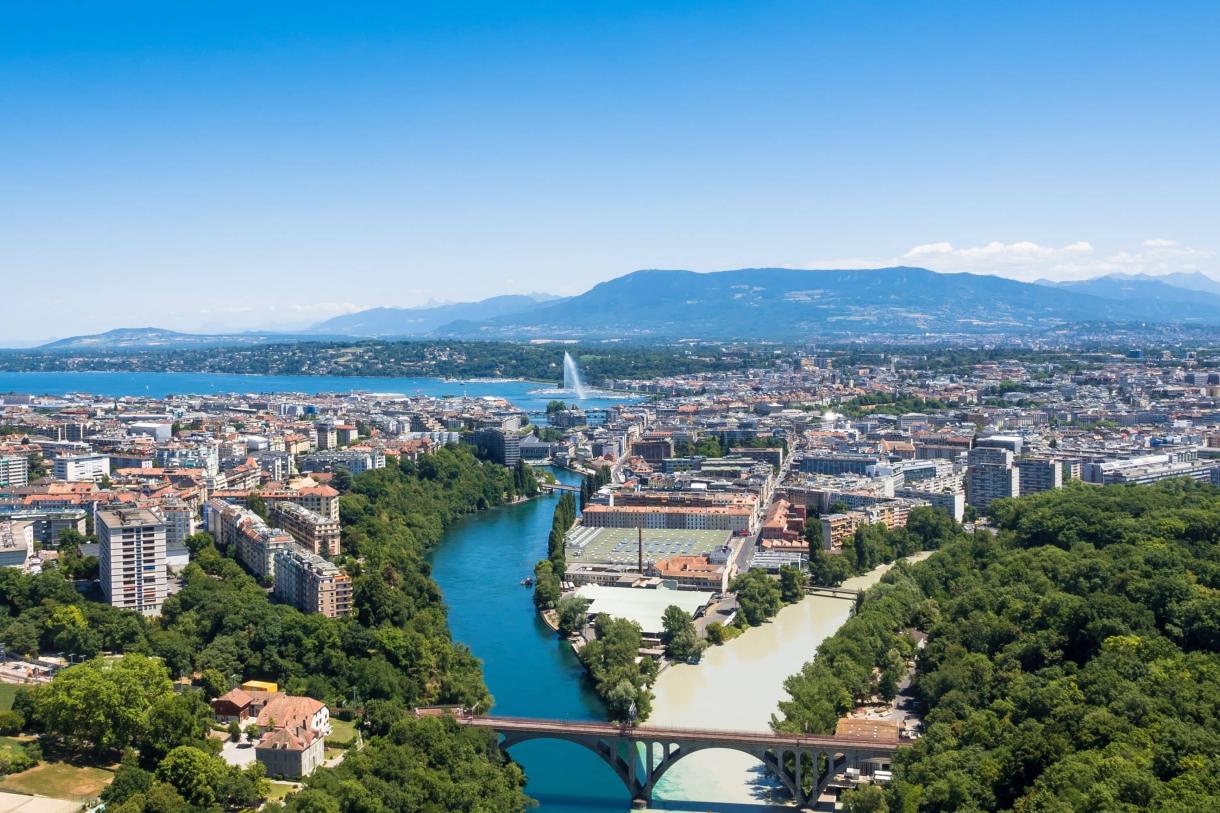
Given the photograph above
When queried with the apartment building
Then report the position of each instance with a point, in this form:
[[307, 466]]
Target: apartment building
[[322, 500], [739, 520], [310, 583], [1040, 474], [315, 532], [498, 445], [16, 543], [990, 476], [131, 558], [14, 470], [82, 468], [256, 543], [357, 461]]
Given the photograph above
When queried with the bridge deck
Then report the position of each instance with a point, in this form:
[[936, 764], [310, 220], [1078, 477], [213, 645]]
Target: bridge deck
[[768, 739]]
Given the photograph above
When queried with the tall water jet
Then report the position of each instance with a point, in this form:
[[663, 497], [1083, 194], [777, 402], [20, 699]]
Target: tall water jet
[[572, 381]]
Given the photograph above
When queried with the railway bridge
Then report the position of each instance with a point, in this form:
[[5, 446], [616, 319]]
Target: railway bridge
[[804, 763]]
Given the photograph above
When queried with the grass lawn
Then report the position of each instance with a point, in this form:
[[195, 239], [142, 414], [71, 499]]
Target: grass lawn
[[342, 731], [59, 780], [279, 790], [10, 744], [7, 692]]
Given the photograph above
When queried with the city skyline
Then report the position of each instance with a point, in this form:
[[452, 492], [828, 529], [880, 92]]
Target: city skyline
[[275, 167]]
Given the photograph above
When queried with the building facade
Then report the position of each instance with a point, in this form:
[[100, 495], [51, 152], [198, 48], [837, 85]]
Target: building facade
[[131, 559], [311, 584]]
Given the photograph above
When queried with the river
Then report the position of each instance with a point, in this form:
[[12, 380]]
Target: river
[[531, 672]]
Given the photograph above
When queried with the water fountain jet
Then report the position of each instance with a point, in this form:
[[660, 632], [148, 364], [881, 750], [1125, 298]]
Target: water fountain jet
[[572, 382]]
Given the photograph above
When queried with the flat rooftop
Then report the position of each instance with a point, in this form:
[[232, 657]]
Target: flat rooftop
[[129, 518], [620, 546], [644, 606]]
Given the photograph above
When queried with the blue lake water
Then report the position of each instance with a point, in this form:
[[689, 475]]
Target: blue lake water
[[529, 395]]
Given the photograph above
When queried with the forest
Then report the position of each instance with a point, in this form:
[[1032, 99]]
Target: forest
[[1072, 659], [395, 652]]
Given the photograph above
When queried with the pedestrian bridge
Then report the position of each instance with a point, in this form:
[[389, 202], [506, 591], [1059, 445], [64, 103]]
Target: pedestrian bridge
[[804, 763], [559, 487]]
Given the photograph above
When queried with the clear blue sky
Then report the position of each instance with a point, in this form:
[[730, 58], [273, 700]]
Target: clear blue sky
[[246, 164]]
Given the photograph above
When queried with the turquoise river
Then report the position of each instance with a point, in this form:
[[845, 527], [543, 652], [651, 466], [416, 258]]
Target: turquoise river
[[479, 565]]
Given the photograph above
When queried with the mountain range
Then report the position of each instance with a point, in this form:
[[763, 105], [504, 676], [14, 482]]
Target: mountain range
[[379, 322], [758, 303]]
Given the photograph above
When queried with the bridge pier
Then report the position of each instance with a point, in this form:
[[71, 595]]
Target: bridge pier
[[640, 757]]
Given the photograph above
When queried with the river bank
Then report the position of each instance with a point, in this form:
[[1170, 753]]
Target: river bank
[[532, 672], [738, 686]]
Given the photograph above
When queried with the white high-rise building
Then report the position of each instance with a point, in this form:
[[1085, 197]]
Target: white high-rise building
[[131, 558], [82, 467], [14, 470]]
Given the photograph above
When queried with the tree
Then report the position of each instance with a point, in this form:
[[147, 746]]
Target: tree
[[865, 799], [546, 586], [792, 583], [611, 660], [175, 720], [196, 775], [758, 596], [196, 542], [103, 702], [256, 503], [342, 479], [129, 780], [573, 614], [678, 635], [234, 730]]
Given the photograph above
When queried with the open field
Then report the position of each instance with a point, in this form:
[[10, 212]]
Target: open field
[[60, 780], [279, 790], [7, 692], [343, 732]]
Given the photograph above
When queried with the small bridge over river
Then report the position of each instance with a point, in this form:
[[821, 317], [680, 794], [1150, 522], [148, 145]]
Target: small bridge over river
[[559, 487], [804, 763], [833, 592]]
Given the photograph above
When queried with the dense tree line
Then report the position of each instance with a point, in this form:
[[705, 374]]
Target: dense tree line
[[624, 685], [462, 359], [1072, 658], [548, 573], [393, 653]]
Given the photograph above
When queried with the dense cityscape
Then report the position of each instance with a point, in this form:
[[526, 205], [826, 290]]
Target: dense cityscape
[[705, 503], [687, 407]]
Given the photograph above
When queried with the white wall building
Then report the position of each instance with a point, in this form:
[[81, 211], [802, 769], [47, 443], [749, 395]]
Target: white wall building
[[81, 468]]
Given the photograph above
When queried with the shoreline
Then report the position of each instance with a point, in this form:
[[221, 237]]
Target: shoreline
[[738, 685]]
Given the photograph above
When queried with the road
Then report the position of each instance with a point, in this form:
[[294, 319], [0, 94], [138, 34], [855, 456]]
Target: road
[[527, 725]]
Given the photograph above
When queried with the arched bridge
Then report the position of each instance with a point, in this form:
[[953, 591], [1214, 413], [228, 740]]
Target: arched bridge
[[804, 763]]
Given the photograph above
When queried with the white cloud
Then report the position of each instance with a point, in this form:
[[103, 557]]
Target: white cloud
[[1027, 260]]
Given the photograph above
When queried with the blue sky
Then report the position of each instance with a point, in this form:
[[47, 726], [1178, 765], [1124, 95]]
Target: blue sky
[[219, 166]]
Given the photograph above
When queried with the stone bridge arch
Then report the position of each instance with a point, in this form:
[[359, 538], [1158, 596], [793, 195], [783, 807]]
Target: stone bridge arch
[[641, 769]]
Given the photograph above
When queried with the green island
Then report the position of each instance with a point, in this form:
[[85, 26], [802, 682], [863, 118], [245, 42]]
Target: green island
[[1071, 659]]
